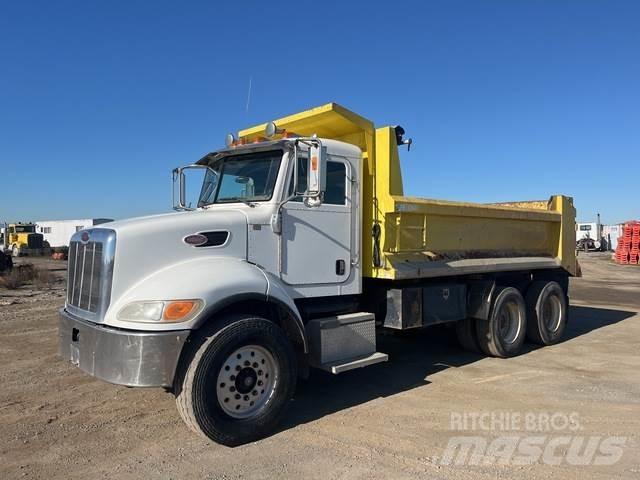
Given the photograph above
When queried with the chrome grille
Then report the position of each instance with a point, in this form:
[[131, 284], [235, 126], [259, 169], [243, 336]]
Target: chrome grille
[[85, 275], [90, 270]]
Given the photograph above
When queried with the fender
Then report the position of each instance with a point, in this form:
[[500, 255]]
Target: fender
[[479, 298], [213, 280], [218, 281], [277, 292]]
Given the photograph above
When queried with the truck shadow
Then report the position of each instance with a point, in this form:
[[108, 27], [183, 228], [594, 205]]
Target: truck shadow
[[413, 357]]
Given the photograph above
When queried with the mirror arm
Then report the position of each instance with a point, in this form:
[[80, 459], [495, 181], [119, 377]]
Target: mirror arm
[[275, 219], [295, 169], [173, 189]]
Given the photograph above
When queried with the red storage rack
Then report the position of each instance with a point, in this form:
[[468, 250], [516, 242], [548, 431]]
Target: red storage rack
[[628, 249]]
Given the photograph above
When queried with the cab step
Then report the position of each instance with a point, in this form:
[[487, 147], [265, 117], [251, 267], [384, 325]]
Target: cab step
[[346, 365], [343, 342]]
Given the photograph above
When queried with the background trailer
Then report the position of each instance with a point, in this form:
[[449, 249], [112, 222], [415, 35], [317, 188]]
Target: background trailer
[[58, 232]]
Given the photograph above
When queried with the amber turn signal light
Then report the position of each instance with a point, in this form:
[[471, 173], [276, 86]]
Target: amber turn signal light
[[177, 310]]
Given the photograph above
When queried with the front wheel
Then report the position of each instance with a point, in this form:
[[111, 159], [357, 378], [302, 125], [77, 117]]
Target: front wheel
[[237, 382]]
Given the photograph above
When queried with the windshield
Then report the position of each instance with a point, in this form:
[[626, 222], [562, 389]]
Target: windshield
[[25, 229], [241, 178]]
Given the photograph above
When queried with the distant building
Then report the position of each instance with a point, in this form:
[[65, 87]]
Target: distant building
[[59, 232]]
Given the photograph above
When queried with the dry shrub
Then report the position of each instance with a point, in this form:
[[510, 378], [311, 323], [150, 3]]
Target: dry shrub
[[11, 280], [43, 278], [26, 273]]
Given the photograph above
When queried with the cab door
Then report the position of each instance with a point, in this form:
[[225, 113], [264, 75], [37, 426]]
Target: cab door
[[316, 241]]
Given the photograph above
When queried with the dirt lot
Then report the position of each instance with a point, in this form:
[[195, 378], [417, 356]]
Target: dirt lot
[[388, 421]]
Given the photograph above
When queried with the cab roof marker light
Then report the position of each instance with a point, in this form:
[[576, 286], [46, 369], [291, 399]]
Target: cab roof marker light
[[230, 140]]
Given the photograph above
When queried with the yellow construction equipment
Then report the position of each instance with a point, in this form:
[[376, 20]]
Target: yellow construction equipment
[[22, 239]]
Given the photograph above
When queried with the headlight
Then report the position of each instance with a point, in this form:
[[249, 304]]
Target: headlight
[[160, 311]]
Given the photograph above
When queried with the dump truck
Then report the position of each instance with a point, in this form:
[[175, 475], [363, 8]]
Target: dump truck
[[298, 247], [22, 239]]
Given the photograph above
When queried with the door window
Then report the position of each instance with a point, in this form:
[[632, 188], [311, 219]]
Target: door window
[[336, 192]]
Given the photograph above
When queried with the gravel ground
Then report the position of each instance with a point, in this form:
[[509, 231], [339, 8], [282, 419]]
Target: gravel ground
[[388, 421]]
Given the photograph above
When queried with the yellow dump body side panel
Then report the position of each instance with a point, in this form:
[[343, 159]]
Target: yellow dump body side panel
[[418, 237], [420, 230]]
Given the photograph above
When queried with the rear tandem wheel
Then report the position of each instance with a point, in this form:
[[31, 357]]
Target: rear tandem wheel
[[503, 333]]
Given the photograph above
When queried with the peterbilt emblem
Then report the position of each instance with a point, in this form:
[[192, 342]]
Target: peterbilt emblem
[[84, 238], [445, 293], [195, 239]]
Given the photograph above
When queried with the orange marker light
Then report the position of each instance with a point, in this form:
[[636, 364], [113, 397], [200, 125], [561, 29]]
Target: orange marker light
[[177, 310]]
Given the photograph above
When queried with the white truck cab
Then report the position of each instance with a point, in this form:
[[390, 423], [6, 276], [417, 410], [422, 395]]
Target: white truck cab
[[261, 234]]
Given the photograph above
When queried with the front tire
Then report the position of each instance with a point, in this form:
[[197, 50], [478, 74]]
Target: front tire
[[237, 382], [503, 333]]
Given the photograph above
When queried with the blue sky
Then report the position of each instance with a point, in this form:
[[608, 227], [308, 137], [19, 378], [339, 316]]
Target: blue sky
[[505, 100]]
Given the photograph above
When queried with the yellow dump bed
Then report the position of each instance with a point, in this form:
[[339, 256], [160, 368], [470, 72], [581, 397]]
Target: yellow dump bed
[[407, 237]]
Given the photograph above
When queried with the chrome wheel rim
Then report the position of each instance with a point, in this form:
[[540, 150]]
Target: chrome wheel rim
[[509, 323], [247, 381], [552, 313]]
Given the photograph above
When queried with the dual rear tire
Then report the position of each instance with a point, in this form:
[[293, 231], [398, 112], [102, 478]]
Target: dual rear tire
[[540, 317], [503, 333], [546, 313]]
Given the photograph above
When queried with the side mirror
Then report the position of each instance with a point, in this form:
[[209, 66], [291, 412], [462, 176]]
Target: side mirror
[[317, 178], [183, 190], [189, 199], [179, 181]]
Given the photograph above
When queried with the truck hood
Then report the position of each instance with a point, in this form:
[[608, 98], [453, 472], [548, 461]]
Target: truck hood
[[146, 245]]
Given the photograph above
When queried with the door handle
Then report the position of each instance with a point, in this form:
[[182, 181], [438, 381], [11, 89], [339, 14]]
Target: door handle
[[340, 267]]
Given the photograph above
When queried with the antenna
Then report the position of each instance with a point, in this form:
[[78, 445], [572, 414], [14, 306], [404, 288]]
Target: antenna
[[248, 96]]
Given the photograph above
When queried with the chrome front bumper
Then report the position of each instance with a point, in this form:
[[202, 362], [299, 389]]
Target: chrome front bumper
[[124, 357]]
